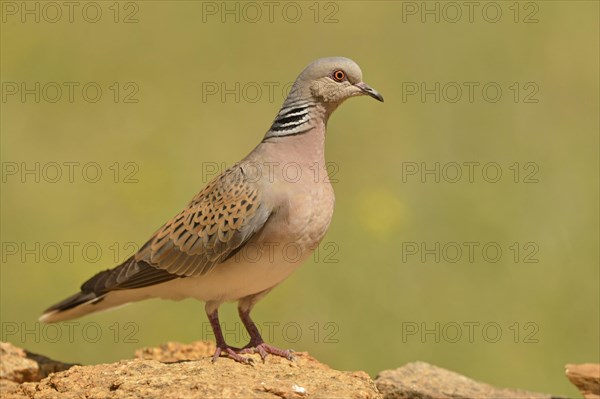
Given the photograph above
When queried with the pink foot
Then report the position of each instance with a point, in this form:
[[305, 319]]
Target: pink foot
[[231, 353], [264, 349]]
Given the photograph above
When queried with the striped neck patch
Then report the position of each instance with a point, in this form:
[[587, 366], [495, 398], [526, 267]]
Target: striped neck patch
[[291, 120]]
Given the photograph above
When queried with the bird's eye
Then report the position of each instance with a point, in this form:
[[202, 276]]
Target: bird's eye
[[339, 75]]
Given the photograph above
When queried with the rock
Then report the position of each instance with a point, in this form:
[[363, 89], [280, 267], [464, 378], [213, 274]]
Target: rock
[[174, 351], [9, 389], [586, 377], [186, 371], [19, 366], [175, 370], [424, 381]]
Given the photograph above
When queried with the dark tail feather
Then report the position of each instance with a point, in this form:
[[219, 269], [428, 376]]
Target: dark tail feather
[[128, 276], [72, 301], [68, 308]]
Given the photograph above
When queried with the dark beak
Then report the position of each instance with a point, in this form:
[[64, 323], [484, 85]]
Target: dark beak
[[368, 90]]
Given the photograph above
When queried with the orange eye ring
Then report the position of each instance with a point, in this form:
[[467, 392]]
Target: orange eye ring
[[339, 75]]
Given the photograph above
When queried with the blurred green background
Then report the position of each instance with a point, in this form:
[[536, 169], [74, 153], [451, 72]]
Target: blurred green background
[[355, 305]]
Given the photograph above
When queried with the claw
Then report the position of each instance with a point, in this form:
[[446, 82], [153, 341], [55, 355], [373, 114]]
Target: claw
[[264, 349], [232, 354]]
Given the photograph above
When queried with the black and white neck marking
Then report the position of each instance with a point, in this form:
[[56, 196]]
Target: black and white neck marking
[[293, 119]]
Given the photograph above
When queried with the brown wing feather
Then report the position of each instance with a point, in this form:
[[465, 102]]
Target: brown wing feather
[[214, 225], [130, 274]]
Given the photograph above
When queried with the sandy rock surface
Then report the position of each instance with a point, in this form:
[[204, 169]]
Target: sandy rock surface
[[586, 377], [185, 371]]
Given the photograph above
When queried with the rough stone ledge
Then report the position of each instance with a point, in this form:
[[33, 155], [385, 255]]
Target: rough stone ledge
[[424, 381], [183, 371], [586, 377]]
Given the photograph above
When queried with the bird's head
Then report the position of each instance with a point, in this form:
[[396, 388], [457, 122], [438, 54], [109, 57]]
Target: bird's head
[[330, 81]]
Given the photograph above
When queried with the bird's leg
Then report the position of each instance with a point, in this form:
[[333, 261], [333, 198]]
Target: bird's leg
[[222, 347], [257, 344]]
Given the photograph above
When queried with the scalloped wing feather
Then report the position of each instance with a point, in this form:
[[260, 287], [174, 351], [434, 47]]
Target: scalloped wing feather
[[214, 225]]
